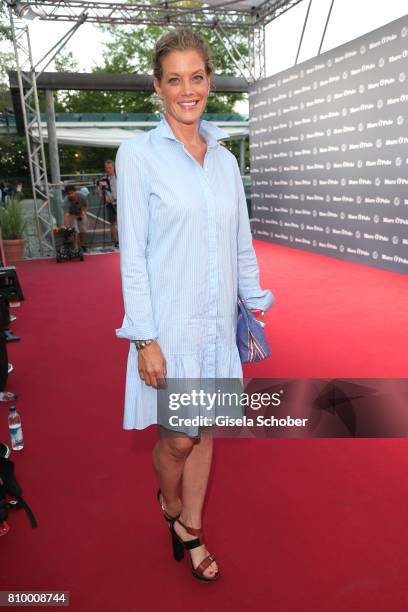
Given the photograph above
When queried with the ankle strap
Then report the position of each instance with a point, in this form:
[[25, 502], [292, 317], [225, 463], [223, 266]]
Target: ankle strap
[[191, 530]]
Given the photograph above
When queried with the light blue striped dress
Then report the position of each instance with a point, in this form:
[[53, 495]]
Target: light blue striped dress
[[185, 252]]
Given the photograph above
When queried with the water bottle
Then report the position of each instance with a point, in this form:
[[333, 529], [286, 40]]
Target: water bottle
[[16, 431]]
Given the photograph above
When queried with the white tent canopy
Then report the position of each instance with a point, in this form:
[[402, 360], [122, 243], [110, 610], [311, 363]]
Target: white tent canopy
[[114, 136]]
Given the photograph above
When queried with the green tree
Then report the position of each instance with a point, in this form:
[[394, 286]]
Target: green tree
[[7, 61], [5, 30], [127, 50]]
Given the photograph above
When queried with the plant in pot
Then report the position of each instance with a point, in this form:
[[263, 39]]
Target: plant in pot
[[12, 227]]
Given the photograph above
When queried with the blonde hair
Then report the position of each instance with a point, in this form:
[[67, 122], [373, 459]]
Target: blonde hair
[[179, 39]]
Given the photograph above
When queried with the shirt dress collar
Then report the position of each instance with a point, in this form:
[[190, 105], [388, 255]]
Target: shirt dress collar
[[210, 131]]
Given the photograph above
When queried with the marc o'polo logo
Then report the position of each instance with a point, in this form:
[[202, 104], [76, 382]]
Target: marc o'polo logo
[[398, 161], [341, 248], [363, 49], [314, 212], [342, 215], [397, 201], [358, 234], [381, 62], [378, 143], [404, 32], [395, 240], [360, 163], [359, 199], [377, 182], [314, 242], [345, 75], [376, 218], [400, 120], [380, 104], [361, 89], [374, 255], [402, 77]]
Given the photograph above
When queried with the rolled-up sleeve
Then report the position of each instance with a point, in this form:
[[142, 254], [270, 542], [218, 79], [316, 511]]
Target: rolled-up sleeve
[[133, 219], [249, 290]]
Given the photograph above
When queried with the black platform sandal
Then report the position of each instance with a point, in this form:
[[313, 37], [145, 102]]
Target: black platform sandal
[[178, 551], [167, 516]]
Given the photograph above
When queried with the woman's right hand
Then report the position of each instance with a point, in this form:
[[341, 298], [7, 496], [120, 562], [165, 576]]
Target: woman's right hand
[[152, 364]]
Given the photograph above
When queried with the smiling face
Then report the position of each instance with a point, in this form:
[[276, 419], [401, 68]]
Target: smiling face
[[184, 86]]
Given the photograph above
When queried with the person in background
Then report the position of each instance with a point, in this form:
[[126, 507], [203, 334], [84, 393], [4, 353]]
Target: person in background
[[19, 190], [75, 207], [107, 193]]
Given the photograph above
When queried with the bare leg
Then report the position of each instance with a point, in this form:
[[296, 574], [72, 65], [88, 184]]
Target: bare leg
[[194, 486], [169, 456]]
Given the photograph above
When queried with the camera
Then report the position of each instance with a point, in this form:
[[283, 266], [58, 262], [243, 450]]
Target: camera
[[103, 184]]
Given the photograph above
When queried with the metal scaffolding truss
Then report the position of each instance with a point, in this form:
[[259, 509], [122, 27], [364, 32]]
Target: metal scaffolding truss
[[248, 16], [231, 13], [32, 124]]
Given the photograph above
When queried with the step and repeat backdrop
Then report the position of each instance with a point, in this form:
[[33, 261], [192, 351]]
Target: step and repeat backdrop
[[329, 152]]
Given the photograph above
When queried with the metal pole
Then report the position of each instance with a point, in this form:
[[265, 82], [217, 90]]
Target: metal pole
[[325, 27], [56, 202], [242, 156], [303, 31]]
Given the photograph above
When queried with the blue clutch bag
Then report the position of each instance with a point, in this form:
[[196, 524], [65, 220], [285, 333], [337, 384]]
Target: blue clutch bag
[[251, 339]]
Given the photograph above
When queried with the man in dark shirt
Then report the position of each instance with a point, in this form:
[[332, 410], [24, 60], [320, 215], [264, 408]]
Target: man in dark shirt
[[75, 207], [107, 193]]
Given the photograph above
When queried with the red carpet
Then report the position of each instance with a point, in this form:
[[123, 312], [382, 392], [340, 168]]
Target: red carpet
[[296, 525]]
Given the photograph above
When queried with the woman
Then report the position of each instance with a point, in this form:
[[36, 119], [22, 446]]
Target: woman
[[186, 252]]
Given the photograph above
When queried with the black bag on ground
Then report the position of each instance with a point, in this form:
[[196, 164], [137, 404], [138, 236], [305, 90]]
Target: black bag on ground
[[12, 488]]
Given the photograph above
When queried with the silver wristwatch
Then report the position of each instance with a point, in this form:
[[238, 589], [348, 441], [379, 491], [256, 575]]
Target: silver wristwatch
[[142, 343]]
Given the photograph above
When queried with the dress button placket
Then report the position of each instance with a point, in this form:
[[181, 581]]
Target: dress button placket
[[212, 272]]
